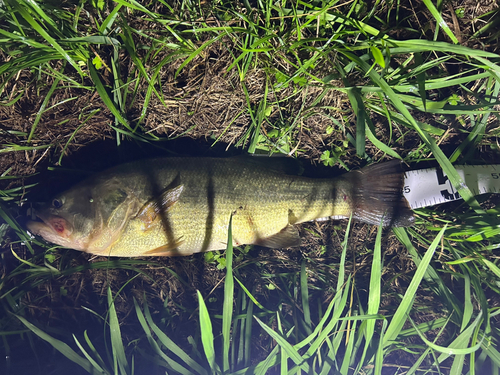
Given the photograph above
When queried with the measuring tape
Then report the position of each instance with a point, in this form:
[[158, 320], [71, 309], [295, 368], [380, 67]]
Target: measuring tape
[[427, 187]]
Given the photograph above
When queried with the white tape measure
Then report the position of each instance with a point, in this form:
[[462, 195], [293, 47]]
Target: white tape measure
[[427, 187]]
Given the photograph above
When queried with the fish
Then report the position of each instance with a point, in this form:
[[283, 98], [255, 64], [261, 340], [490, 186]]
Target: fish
[[182, 205]]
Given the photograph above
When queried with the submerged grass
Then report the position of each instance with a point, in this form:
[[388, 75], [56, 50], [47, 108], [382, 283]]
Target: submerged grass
[[300, 74]]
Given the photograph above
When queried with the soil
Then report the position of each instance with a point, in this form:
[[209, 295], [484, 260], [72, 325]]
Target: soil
[[204, 113]]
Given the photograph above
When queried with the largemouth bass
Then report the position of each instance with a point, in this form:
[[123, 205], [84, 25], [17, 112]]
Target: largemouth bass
[[181, 206]]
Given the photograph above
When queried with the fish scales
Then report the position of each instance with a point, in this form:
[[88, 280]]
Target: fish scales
[[181, 206], [261, 201]]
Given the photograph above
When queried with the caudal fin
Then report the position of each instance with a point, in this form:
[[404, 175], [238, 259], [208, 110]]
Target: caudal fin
[[378, 195]]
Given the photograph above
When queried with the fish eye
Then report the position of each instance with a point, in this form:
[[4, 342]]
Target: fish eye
[[57, 203]]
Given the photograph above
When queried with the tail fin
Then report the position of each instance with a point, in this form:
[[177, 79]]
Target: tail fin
[[378, 195]]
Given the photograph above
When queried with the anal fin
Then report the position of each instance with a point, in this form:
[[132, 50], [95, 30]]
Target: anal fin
[[165, 250], [287, 237]]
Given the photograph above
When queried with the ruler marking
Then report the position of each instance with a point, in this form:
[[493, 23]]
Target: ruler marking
[[481, 178]]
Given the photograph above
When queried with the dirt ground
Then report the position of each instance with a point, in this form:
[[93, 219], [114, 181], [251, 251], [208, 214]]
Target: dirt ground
[[205, 103]]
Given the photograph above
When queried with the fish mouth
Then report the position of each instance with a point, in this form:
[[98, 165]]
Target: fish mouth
[[52, 228]]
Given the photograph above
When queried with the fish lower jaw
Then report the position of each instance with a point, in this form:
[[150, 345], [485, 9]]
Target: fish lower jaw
[[45, 231], [49, 234]]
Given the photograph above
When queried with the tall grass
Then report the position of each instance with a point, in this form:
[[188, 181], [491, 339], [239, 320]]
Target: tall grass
[[305, 52]]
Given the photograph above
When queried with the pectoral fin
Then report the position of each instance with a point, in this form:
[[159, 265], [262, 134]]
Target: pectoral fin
[[148, 213], [165, 250], [287, 237]]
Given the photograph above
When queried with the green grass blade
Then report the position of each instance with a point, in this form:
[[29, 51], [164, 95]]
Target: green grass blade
[[421, 45], [305, 297], [349, 354], [227, 309], [444, 162], [399, 318], [292, 353], [380, 145], [254, 300], [196, 53], [431, 276], [60, 346], [94, 351], [171, 345], [374, 293], [358, 108], [98, 368], [110, 20], [116, 337], [132, 4], [334, 346], [101, 90], [20, 232], [283, 353], [440, 21], [468, 307], [457, 346], [421, 80], [38, 28], [248, 333], [167, 343], [322, 331], [492, 266], [238, 351], [263, 367], [207, 336], [341, 279], [379, 356], [42, 108]]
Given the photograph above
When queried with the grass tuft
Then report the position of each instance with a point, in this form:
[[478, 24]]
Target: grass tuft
[[343, 84]]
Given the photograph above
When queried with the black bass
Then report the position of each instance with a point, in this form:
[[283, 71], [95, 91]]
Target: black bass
[[182, 206]]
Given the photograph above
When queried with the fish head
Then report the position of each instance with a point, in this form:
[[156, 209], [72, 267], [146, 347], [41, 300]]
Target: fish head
[[82, 216]]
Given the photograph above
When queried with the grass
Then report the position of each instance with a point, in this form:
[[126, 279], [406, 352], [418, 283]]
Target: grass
[[339, 83]]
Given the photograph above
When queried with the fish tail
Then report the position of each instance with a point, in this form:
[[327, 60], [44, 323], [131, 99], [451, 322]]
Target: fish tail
[[378, 195]]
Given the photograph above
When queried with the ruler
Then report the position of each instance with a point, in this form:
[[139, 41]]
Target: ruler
[[427, 187]]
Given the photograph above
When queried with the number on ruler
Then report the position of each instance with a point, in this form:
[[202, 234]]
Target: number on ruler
[[495, 176], [442, 181]]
